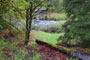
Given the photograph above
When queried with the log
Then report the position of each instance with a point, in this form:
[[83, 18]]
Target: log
[[70, 52]]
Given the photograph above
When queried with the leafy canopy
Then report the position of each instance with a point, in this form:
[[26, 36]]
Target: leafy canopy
[[77, 29]]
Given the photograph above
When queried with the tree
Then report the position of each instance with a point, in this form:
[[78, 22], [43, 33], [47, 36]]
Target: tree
[[10, 12], [30, 14], [56, 5], [4, 7], [77, 29], [16, 9]]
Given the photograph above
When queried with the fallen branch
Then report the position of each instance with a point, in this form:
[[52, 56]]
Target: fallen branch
[[71, 52]]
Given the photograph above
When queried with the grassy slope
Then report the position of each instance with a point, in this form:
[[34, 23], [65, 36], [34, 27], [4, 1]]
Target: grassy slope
[[46, 37], [57, 16]]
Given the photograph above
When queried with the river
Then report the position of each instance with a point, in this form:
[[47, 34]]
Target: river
[[46, 22], [39, 23]]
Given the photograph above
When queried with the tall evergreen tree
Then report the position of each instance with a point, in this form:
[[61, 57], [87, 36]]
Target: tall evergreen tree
[[77, 29]]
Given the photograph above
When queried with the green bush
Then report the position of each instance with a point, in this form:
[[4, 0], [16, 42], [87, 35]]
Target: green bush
[[9, 50], [37, 56], [77, 32], [77, 29], [54, 28], [21, 55]]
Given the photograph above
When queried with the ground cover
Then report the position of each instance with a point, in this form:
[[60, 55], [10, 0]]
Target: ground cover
[[28, 52], [46, 37], [34, 52], [56, 16]]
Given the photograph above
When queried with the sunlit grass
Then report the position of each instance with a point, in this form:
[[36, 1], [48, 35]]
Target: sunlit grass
[[57, 16], [46, 37]]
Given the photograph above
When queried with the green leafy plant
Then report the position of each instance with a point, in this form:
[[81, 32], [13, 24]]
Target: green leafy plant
[[20, 55], [7, 49], [77, 29], [36, 57]]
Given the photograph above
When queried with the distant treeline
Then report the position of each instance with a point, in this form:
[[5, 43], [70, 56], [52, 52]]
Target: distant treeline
[[56, 5]]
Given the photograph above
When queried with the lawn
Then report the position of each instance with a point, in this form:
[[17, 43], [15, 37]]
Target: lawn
[[46, 37], [57, 16]]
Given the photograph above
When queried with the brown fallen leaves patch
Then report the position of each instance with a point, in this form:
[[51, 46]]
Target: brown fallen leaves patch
[[52, 54]]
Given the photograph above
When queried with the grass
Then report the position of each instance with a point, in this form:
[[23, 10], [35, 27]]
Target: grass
[[57, 16], [9, 50], [46, 37]]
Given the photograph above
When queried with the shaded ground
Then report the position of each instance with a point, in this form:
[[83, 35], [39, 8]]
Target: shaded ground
[[51, 54], [68, 51], [46, 52]]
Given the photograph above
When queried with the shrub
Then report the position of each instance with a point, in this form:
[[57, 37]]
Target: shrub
[[54, 28], [77, 30], [9, 50]]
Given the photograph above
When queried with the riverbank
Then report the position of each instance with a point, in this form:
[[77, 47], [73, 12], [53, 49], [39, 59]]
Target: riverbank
[[70, 52], [47, 26], [52, 39], [47, 37], [27, 52], [56, 16]]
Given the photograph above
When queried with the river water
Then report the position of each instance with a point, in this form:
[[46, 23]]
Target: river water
[[39, 23], [46, 22]]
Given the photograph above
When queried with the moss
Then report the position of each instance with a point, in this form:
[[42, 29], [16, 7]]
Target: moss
[[63, 48], [15, 43], [54, 45]]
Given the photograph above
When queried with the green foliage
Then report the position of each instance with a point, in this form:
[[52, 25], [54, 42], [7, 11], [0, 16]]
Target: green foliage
[[36, 57], [4, 6], [10, 11], [71, 58], [77, 8], [21, 55], [50, 29], [78, 28], [53, 28], [46, 37], [56, 16], [7, 49], [56, 5]]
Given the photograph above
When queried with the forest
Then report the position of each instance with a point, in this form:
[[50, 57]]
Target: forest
[[44, 30]]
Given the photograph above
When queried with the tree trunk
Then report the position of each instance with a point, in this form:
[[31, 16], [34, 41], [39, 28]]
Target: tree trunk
[[27, 33], [1, 14], [28, 23]]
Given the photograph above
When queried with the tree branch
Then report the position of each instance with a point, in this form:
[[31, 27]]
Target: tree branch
[[37, 5]]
